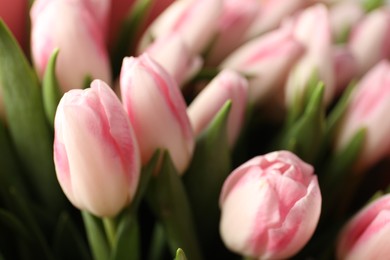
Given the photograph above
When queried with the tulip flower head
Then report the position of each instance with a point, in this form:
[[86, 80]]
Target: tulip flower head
[[157, 110], [95, 151], [367, 234], [270, 206]]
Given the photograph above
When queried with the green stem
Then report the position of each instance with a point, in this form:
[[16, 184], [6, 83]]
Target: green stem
[[110, 229], [158, 243]]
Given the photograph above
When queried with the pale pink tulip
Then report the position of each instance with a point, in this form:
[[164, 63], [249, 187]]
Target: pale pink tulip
[[367, 234], [237, 16], [15, 15], [157, 110], [271, 14], [369, 108], [266, 60], [227, 85], [175, 57], [370, 39], [345, 68], [72, 27], [270, 206], [95, 151], [195, 21], [312, 29]]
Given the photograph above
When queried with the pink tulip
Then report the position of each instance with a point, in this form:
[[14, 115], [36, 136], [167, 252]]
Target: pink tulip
[[227, 85], [271, 13], [369, 107], [95, 151], [175, 57], [344, 67], [270, 206], [183, 17], [157, 110], [266, 60], [367, 234], [312, 29], [72, 27], [235, 19], [15, 13], [370, 39]]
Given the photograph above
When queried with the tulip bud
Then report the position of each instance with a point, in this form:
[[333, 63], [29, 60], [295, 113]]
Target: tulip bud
[[227, 85], [266, 60], [312, 29], [183, 17], [367, 234], [270, 206], [370, 39], [72, 27], [235, 19], [95, 152], [157, 110], [173, 55], [271, 13], [369, 107]]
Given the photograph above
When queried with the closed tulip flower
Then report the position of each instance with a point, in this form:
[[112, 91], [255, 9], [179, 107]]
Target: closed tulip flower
[[76, 30], [369, 107], [95, 151], [183, 17], [370, 39], [367, 234], [266, 60], [157, 110], [270, 206], [174, 56], [227, 85]]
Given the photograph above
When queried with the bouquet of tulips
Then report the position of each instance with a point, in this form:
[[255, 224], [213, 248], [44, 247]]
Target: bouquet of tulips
[[194, 129]]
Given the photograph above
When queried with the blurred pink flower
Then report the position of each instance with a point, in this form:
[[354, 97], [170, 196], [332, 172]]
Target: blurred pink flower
[[157, 110], [370, 39], [95, 151], [175, 57], [183, 17], [227, 85], [266, 60], [368, 106], [15, 15], [270, 206], [367, 234], [72, 27], [345, 68]]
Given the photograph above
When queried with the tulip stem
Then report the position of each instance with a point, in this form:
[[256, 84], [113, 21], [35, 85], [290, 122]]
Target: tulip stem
[[110, 229]]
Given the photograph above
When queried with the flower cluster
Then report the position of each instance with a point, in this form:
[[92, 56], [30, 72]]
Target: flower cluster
[[207, 129]]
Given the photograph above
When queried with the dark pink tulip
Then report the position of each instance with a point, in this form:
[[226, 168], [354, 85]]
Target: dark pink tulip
[[270, 206], [15, 14], [95, 151], [157, 110]]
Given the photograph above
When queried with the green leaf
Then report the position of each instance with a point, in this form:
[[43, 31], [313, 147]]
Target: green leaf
[[168, 200], [305, 136], [180, 255], [210, 166], [27, 123], [96, 236], [129, 33], [371, 5], [50, 89], [128, 244], [68, 242]]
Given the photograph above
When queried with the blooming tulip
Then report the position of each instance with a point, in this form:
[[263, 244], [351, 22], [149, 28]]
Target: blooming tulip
[[312, 29], [183, 17], [73, 28], [227, 85], [270, 206], [266, 60], [235, 19], [368, 107], [157, 110], [370, 39], [367, 234], [174, 56], [95, 152]]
